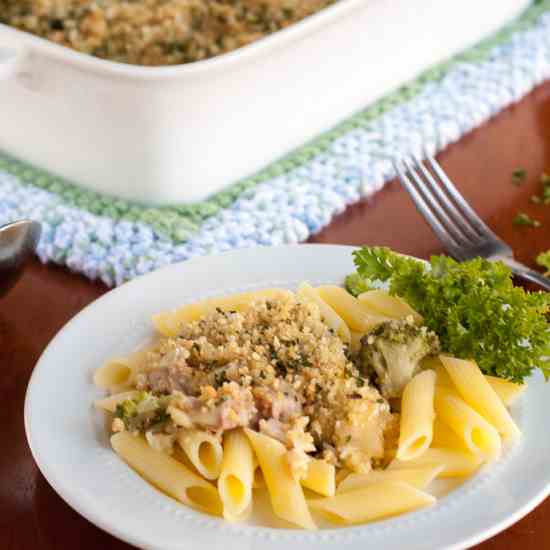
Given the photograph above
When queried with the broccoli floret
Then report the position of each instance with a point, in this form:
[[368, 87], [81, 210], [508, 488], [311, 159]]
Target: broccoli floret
[[142, 412], [390, 354], [355, 284]]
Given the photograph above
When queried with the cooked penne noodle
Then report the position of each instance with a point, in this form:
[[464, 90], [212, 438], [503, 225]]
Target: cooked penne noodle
[[446, 438], [349, 308], [204, 450], [506, 390], [119, 374], [110, 403], [114, 375], [237, 475], [478, 435], [375, 501], [419, 477], [341, 474], [455, 463], [286, 494], [380, 302], [320, 477], [443, 378], [478, 393], [417, 416], [308, 294], [259, 481], [179, 454], [166, 473], [168, 323]]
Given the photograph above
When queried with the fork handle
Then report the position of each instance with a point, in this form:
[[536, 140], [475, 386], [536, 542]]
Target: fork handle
[[526, 273]]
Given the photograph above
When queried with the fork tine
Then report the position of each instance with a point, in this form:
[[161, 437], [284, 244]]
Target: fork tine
[[444, 236], [459, 200], [457, 218], [425, 186]]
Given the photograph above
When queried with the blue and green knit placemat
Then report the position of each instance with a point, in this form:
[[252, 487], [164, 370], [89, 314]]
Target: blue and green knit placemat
[[116, 240]]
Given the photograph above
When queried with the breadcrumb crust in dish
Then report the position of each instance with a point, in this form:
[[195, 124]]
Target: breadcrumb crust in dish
[[155, 32]]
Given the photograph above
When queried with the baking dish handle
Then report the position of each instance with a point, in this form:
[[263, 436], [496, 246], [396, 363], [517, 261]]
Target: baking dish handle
[[9, 59]]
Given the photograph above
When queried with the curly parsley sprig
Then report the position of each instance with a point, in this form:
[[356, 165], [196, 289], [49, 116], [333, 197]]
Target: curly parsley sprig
[[472, 306]]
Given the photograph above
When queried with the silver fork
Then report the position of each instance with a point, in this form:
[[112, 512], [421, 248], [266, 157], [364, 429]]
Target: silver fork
[[462, 232]]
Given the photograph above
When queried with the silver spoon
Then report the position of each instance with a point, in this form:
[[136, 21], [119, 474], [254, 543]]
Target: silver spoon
[[18, 241]]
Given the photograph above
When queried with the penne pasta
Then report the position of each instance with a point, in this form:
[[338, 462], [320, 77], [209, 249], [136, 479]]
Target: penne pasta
[[446, 438], [419, 477], [375, 501], [119, 374], [259, 481], [480, 437], [179, 454], [308, 294], [168, 323], [341, 474], [114, 375], [204, 450], [320, 477], [350, 309], [237, 475], [166, 473], [478, 393], [417, 416], [506, 390], [110, 403], [455, 463], [380, 302], [286, 494], [435, 364]]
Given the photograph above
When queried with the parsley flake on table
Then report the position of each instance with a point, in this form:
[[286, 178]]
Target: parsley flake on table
[[544, 197], [472, 306], [519, 175], [524, 219]]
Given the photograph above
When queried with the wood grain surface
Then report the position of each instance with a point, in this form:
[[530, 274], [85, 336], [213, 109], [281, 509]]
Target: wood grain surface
[[33, 517]]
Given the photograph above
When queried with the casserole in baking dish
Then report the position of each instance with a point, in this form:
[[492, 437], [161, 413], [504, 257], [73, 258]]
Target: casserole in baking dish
[[155, 32], [180, 133]]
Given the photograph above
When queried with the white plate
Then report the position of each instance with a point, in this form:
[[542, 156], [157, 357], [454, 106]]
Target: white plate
[[70, 445]]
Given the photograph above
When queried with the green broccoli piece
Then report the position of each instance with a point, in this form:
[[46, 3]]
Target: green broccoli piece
[[142, 412], [391, 353], [355, 284]]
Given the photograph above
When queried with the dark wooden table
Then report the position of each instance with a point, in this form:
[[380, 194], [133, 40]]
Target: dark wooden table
[[33, 517]]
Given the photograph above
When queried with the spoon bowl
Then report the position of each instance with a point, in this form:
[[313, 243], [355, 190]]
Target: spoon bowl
[[18, 241]]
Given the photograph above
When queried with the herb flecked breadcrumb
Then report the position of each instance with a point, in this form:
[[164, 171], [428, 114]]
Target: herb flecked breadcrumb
[[472, 306], [155, 32]]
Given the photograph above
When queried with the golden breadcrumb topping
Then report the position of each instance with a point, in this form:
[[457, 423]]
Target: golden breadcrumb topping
[[276, 368], [155, 32]]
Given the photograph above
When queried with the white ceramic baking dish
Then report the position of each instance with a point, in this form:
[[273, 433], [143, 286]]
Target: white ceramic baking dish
[[180, 133]]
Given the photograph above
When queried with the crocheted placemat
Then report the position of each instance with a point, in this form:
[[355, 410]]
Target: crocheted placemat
[[293, 198]]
